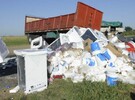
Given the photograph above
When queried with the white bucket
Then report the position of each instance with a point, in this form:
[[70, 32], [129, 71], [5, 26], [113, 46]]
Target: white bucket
[[112, 79]]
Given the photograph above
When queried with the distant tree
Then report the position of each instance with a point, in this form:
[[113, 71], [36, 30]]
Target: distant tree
[[128, 28]]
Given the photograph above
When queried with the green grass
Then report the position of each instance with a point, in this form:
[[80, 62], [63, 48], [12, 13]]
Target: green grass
[[15, 40], [66, 90], [129, 33]]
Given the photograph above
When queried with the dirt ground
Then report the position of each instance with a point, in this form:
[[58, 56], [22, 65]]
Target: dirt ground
[[12, 48], [8, 76]]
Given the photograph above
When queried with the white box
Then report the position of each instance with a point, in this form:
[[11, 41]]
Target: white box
[[32, 70]]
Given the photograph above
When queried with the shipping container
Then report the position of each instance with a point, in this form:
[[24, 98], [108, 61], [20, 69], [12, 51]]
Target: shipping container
[[85, 16]]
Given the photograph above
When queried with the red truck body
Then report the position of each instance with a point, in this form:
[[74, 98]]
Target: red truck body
[[85, 16]]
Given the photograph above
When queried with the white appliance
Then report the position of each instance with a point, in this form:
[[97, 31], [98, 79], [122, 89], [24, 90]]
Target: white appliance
[[3, 50], [31, 70]]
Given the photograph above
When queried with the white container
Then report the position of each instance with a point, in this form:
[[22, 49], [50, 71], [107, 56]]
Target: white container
[[31, 70]]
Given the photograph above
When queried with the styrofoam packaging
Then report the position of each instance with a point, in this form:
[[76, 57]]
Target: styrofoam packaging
[[132, 73], [114, 39], [78, 45], [127, 79], [86, 54], [101, 35], [14, 90], [64, 38], [82, 30], [126, 68], [102, 43], [120, 45], [101, 60], [124, 73], [96, 78], [38, 43], [90, 61], [95, 48], [109, 55], [111, 64], [125, 52], [73, 35], [76, 62], [77, 78], [50, 68], [68, 74], [132, 56], [101, 77]]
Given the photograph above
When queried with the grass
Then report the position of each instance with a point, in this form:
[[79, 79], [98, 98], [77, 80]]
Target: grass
[[129, 33], [86, 90], [15, 40]]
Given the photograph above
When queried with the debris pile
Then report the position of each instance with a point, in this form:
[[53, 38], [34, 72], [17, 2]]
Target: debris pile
[[83, 53]]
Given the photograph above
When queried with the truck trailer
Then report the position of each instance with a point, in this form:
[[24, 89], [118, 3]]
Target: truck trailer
[[49, 28]]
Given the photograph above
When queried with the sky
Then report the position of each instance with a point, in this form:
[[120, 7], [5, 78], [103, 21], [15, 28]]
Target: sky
[[13, 12]]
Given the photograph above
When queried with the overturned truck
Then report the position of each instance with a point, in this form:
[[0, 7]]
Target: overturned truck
[[49, 28]]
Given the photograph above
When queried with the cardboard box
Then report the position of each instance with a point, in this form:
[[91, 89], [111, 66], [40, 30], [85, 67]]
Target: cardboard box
[[115, 50], [87, 44]]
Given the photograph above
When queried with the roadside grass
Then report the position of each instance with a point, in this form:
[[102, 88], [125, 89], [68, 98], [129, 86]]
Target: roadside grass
[[15, 40], [67, 90], [129, 33]]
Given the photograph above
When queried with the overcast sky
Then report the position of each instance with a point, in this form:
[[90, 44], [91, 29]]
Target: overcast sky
[[13, 12]]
